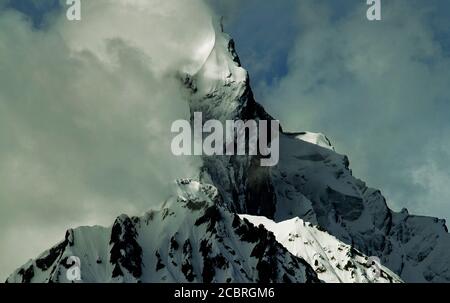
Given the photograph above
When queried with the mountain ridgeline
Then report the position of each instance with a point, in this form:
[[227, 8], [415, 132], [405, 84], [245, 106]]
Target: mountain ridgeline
[[305, 220]]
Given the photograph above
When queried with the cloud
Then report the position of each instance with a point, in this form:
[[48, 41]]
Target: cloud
[[379, 90], [85, 115]]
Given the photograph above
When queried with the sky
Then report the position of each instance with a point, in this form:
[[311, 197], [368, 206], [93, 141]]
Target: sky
[[73, 153]]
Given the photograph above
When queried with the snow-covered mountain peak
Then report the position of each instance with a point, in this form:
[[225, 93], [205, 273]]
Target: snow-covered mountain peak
[[220, 78], [222, 66], [191, 239]]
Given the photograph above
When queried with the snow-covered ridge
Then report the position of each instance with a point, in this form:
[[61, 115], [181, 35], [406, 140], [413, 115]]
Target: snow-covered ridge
[[314, 138], [333, 261], [190, 239]]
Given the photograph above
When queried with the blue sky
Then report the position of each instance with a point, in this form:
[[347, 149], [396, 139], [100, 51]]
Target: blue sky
[[35, 10]]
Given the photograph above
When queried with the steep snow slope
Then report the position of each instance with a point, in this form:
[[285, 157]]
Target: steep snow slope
[[190, 239], [332, 260], [314, 183], [220, 88]]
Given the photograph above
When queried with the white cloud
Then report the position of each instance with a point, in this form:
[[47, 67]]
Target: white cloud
[[85, 115]]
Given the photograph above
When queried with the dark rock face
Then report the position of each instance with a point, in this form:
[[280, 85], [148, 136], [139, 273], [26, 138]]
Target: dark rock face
[[46, 262], [211, 216], [125, 251], [27, 274], [260, 195], [210, 263], [159, 265], [347, 207], [187, 268]]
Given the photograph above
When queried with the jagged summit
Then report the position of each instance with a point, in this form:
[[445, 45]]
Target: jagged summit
[[220, 89], [190, 239]]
